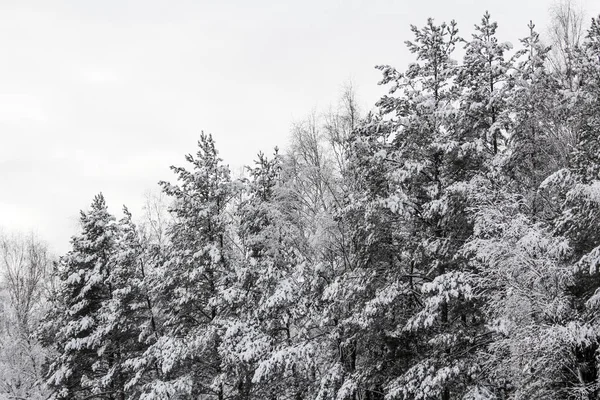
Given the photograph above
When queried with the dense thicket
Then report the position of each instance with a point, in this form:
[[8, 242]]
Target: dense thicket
[[443, 246]]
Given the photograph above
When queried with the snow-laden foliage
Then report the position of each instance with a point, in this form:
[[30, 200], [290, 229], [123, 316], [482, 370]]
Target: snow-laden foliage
[[443, 246]]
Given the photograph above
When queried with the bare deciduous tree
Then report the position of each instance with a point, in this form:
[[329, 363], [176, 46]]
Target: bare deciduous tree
[[24, 272], [340, 123], [566, 31], [156, 218]]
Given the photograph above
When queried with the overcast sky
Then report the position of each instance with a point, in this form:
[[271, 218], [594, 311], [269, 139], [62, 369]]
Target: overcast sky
[[105, 95]]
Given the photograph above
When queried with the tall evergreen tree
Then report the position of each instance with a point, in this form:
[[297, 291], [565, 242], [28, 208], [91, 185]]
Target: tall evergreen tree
[[85, 318], [482, 79], [196, 270], [133, 309], [534, 98]]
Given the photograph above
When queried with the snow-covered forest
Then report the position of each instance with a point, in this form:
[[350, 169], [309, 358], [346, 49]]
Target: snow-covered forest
[[445, 245]]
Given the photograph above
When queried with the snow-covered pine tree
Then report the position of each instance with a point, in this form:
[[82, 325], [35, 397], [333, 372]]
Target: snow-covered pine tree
[[434, 156], [586, 157], [87, 317], [482, 79], [132, 305], [196, 271], [535, 149]]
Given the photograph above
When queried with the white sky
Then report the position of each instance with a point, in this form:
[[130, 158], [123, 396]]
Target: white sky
[[105, 95]]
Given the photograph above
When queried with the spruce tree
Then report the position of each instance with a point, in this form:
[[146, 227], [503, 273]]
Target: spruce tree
[[89, 363]]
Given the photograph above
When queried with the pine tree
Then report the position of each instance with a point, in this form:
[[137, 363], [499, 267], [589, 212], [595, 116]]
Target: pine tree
[[482, 78], [194, 275], [132, 306], [534, 153], [435, 161], [89, 360]]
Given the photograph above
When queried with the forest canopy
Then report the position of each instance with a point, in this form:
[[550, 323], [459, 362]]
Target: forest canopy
[[443, 246]]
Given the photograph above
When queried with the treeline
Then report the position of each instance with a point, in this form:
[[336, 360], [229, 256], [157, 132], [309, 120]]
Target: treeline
[[444, 246]]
